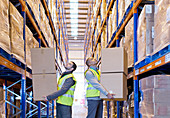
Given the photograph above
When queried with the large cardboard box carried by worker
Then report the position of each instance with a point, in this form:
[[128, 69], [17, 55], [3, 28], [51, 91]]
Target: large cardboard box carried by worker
[[114, 72], [44, 72]]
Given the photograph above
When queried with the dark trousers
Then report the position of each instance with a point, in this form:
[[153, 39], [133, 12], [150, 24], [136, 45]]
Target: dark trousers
[[63, 111], [95, 108]]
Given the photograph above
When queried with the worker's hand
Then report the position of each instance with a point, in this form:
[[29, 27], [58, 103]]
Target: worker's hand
[[110, 96], [45, 98]]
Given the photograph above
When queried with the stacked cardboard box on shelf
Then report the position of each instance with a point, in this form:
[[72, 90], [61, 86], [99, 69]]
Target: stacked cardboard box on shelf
[[162, 24], [35, 5], [104, 38], [110, 26], [145, 32], [16, 33], [103, 9], [121, 10], [114, 18], [2, 103], [156, 96], [31, 42], [4, 25], [127, 3], [129, 43]]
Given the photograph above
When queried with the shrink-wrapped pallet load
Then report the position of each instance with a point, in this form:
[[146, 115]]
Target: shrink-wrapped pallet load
[[4, 26], [162, 24], [155, 96], [145, 32], [129, 43], [16, 33]]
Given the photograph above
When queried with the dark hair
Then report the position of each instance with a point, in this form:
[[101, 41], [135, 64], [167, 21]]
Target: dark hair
[[74, 66]]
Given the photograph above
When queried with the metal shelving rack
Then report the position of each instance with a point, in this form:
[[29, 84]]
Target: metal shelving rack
[[15, 72], [159, 61]]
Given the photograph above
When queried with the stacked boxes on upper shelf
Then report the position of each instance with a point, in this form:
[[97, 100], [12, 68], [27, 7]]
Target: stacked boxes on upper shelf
[[162, 24], [44, 72], [16, 33], [31, 42], [4, 26], [129, 43], [145, 32], [155, 102], [114, 72]]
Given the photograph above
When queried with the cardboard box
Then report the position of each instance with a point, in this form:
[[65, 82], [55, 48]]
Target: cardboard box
[[1, 94], [145, 32], [4, 25], [43, 85], [43, 60], [162, 24], [129, 42], [115, 83], [16, 34], [155, 81], [114, 60]]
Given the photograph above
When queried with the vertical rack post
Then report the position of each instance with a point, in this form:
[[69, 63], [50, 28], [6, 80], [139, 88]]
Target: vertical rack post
[[136, 82], [117, 45], [39, 103], [23, 78], [52, 108], [108, 109], [6, 93], [47, 109]]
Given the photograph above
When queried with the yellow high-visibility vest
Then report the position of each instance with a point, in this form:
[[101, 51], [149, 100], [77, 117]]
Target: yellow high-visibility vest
[[91, 91], [67, 98]]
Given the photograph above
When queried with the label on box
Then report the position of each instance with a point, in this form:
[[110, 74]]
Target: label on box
[[153, 32], [148, 9], [157, 63], [167, 57]]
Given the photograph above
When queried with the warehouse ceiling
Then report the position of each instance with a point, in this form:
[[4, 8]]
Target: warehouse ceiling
[[76, 12]]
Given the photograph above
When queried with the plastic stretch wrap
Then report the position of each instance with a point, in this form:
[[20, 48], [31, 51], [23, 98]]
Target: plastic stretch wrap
[[162, 24], [155, 100], [145, 31], [121, 9], [31, 42], [16, 33], [4, 26], [129, 43]]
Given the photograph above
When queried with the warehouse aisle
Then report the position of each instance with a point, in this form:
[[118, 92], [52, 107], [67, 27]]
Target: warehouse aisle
[[79, 111]]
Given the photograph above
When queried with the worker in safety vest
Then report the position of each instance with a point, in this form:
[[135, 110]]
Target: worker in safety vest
[[95, 104], [65, 93]]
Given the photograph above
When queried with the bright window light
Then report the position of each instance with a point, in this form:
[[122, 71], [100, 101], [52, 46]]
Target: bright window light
[[74, 17]]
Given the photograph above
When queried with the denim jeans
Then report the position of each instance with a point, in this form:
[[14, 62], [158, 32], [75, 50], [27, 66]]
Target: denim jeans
[[63, 111], [95, 108]]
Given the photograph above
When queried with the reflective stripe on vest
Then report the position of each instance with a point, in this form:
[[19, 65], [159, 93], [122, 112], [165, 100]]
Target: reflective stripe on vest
[[91, 91], [67, 98]]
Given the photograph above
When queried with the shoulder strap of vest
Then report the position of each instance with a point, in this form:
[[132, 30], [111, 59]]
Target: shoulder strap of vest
[[97, 72]]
